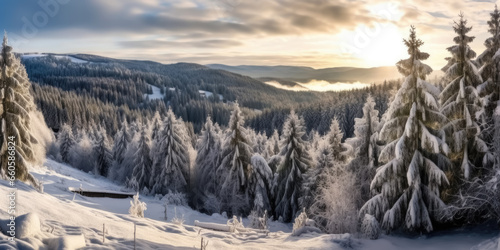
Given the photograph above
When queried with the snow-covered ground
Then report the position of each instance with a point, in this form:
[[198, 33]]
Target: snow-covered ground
[[73, 59], [156, 93], [208, 94], [63, 213]]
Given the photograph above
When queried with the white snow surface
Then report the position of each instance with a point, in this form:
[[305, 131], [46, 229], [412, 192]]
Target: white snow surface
[[63, 220], [209, 94], [156, 93], [73, 59]]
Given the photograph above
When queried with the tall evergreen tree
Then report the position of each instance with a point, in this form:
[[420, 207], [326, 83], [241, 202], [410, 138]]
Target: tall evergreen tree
[[296, 161], [207, 160], [490, 66], [489, 61], [122, 139], [334, 140], [142, 161], [66, 142], [364, 128], [461, 105], [15, 104], [102, 153], [408, 184], [170, 158], [235, 168]]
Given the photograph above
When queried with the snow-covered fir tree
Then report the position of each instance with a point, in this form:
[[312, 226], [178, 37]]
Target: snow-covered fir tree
[[121, 141], [156, 125], [489, 62], [235, 168], [461, 104], [408, 184], [170, 158], [262, 181], [273, 144], [82, 154], [296, 161], [315, 175], [207, 161], [15, 104], [365, 128], [334, 140], [142, 161], [102, 153], [66, 142]]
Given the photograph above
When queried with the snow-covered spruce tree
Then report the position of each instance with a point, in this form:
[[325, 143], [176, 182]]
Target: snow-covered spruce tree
[[479, 200], [334, 139], [156, 125], [408, 184], [81, 154], [170, 158], [15, 104], [364, 146], [296, 161], [235, 168], [122, 139], [262, 180], [206, 163], [489, 62], [66, 142], [142, 161], [102, 153], [364, 130], [461, 105], [274, 143], [315, 176]]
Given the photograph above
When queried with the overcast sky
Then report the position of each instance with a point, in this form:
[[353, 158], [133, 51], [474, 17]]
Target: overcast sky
[[312, 33]]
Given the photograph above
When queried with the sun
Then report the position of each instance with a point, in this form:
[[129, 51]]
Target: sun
[[385, 49], [379, 45]]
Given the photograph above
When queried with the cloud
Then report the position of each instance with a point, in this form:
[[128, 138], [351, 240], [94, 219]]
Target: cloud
[[158, 44], [249, 32]]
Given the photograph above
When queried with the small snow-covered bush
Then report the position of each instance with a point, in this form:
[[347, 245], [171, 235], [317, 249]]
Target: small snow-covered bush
[[370, 227], [302, 224], [234, 223], [258, 222], [176, 220], [137, 207], [175, 198], [300, 221], [335, 206]]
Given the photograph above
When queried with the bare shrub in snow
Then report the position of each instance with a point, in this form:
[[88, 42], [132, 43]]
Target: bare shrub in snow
[[257, 221], [303, 224], [234, 224], [137, 207], [335, 206], [178, 220], [175, 198], [370, 227]]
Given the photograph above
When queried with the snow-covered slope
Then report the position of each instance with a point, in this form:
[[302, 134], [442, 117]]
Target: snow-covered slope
[[71, 58], [61, 215], [156, 93]]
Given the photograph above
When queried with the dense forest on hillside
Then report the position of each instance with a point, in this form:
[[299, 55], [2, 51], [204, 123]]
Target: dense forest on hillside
[[108, 90]]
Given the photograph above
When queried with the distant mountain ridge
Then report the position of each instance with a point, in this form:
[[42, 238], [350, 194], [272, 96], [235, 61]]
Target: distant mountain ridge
[[306, 74]]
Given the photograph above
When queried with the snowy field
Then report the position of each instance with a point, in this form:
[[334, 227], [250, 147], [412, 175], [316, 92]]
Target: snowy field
[[62, 214], [156, 93]]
